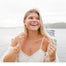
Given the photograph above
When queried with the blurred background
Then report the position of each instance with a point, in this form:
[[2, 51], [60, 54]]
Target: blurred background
[[53, 13]]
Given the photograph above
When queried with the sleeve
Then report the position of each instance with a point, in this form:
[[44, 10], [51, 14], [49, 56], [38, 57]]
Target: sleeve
[[8, 51], [47, 58]]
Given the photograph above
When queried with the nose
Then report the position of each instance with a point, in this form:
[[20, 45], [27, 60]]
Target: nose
[[34, 20]]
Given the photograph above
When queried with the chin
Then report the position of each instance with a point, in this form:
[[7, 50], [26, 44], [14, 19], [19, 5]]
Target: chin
[[34, 29]]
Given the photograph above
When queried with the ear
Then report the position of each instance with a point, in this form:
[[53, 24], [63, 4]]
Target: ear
[[24, 22]]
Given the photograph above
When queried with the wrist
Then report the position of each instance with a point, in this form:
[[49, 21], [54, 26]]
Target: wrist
[[51, 59]]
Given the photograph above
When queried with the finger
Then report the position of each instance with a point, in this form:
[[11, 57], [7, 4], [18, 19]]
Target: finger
[[23, 34], [49, 49], [21, 37], [51, 42], [17, 45], [53, 50], [50, 52], [52, 47]]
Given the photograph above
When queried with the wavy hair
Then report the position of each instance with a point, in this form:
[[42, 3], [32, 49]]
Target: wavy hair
[[41, 30]]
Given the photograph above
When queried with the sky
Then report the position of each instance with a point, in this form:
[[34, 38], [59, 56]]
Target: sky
[[12, 11]]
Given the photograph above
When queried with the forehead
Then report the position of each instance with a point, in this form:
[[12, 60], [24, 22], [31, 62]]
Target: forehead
[[33, 14]]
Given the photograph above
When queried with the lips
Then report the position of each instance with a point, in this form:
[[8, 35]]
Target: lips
[[33, 24]]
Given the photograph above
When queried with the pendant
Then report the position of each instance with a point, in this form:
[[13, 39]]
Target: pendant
[[30, 51]]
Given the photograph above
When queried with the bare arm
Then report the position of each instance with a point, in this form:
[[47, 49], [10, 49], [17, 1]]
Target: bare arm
[[16, 43], [11, 56]]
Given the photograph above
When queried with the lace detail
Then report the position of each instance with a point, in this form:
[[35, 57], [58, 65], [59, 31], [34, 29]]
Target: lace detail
[[38, 56]]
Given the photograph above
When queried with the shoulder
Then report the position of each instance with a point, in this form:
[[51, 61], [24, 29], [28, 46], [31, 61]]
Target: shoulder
[[15, 40]]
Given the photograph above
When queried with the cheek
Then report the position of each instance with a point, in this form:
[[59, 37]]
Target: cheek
[[39, 23], [27, 22]]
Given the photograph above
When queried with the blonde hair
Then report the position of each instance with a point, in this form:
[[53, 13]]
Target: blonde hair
[[41, 30]]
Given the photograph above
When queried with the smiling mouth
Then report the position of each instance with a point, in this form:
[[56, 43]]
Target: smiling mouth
[[33, 24]]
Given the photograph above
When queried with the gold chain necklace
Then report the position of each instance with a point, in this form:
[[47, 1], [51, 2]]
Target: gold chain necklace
[[30, 50]]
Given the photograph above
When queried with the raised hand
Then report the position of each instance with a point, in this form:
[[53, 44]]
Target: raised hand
[[51, 51], [21, 38]]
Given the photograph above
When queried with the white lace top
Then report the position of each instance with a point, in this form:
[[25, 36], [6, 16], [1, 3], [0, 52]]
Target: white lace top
[[38, 56]]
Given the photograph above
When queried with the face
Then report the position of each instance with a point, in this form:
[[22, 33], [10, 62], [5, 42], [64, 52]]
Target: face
[[32, 21]]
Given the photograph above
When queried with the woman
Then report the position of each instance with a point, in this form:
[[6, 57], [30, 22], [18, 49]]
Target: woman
[[34, 45]]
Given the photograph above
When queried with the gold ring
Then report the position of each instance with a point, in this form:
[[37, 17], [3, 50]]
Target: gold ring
[[51, 47]]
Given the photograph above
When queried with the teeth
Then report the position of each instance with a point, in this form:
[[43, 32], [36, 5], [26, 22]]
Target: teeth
[[33, 24]]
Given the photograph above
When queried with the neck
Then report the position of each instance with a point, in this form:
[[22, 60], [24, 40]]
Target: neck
[[33, 34]]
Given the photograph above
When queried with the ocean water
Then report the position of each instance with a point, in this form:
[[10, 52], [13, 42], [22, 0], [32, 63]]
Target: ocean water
[[7, 34], [61, 44]]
